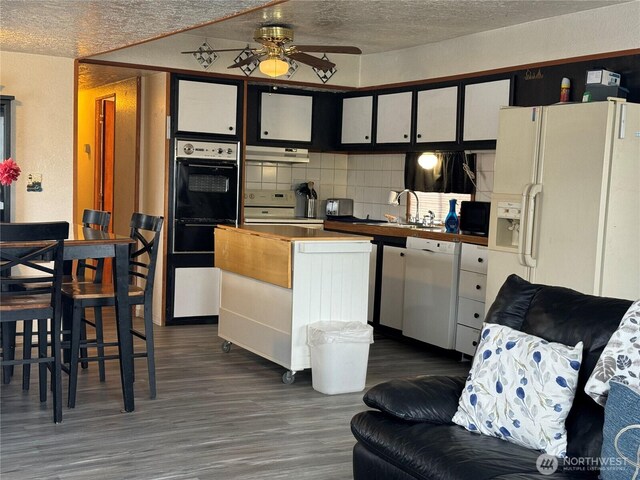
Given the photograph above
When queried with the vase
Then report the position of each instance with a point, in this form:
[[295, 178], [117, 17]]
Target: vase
[[451, 221]]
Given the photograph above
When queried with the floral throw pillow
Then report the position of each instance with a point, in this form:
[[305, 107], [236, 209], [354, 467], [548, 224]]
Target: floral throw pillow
[[520, 388], [620, 359]]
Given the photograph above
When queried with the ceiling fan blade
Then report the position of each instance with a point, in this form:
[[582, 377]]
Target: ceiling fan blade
[[328, 49], [247, 60], [319, 63], [216, 50]]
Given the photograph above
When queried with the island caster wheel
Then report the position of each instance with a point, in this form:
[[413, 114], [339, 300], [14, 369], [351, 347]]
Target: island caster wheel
[[226, 347], [288, 377]]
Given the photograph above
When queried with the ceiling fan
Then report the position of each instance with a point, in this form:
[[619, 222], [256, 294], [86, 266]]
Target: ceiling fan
[[274, 49]]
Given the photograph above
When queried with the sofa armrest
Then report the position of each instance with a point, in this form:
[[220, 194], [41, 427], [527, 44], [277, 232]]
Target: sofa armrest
[[420, 399]]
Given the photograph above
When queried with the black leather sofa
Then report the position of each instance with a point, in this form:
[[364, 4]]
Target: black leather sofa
[[410, 435]]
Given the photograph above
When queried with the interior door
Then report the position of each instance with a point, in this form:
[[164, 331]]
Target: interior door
[[105, 165], [108, 156]]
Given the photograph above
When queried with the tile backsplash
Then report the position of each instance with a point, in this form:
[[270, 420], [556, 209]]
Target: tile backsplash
[[485, 161], [365, 178], [369, 180], [328, 171]]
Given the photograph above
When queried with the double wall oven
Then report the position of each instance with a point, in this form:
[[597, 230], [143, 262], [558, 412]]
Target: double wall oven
[[205, 193]]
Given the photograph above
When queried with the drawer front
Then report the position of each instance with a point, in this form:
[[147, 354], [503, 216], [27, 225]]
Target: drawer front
[[474, 258], [467, 339], [470, 312], [472, 285]]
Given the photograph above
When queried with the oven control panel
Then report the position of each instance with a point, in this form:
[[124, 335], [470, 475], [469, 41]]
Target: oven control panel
[[270, 198], [207, 150]]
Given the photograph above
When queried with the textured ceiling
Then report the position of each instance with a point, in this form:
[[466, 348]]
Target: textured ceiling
[[385, 25], [81, 28], [85, 28]]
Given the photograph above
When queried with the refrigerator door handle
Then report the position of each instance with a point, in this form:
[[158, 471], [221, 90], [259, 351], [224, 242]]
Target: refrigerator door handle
[[533, 191], [523, 224]]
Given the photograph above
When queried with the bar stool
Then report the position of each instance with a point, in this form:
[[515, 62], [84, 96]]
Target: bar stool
[[98, 220], [145, 230], [37, 249]]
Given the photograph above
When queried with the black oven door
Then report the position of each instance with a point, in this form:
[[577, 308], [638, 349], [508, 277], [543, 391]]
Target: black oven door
[[206, 192]]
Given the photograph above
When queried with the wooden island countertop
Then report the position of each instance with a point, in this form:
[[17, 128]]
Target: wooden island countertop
[[289, 233], [387, 230]]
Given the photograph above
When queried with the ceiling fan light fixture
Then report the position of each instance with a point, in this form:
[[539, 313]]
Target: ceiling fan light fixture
[[274, 67]]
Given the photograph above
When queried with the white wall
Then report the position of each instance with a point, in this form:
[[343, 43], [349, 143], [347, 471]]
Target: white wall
[[153, 145], [43, 133], [599, 30]]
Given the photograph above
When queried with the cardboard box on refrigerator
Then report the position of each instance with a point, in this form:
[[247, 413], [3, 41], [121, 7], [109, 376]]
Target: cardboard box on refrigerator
[[603, 77]]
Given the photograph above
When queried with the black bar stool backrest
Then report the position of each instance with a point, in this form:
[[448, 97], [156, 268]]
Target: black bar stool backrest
[[97, 219], [29, 246], [25, 232], [145, 230]]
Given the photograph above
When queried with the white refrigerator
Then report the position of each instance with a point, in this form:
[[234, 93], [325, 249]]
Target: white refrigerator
[[565, 208]]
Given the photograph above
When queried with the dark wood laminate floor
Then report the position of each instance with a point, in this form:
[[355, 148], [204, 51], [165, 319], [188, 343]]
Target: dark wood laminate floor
[[217, 416]]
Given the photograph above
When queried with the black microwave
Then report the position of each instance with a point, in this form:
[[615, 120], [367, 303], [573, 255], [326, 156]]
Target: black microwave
[[474, 218]]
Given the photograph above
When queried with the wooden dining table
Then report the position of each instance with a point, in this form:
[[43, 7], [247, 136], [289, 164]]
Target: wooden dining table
[[84, 243]]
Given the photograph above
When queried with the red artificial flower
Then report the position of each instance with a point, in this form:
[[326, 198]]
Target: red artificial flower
[[9, 171]]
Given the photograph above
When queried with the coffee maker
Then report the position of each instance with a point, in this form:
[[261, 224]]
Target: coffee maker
[[306, 200]]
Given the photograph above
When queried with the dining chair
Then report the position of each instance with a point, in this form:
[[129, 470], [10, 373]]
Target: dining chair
[[98, 220], [36, 249], [145, 230]]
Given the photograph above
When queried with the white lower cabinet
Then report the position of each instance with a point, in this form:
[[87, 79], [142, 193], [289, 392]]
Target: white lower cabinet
[[392, 288], [467, 340], [471, 295]]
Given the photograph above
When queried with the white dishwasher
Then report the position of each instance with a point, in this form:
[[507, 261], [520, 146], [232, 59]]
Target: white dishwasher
[[431, 291]]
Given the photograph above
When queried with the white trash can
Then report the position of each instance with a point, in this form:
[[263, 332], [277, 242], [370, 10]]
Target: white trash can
[[339, 355]]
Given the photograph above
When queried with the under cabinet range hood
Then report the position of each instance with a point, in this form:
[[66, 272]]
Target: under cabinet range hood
[[276, 154]]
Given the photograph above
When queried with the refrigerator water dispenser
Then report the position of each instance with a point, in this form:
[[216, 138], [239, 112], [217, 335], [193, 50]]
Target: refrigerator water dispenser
[[508, 224]]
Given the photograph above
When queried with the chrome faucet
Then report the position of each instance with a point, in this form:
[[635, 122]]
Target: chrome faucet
[[429, 219], [394, 199]]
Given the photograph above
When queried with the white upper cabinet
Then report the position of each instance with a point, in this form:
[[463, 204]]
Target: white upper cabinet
[[357, 114], [205, 107], [437, 115], [482, 102], [394, 118], [285, 117]]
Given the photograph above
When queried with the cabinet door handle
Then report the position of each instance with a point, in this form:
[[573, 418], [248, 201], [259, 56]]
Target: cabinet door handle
[[419, 135], [406, 136], [266, 133], [366, 137], [231, 129], [474, 343], [478, 287], [476, 315], [480, 259], [402, 254]]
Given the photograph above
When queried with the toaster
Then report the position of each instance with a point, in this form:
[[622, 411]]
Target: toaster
[[339, 207]]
